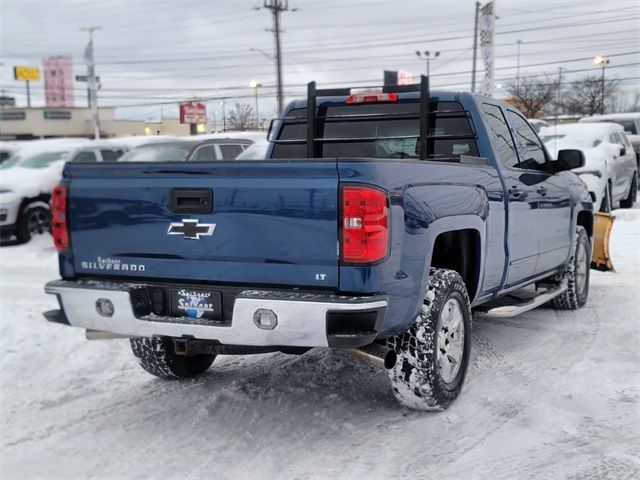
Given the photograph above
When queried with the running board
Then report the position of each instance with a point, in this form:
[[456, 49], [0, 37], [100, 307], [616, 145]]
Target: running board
[[525, 305]]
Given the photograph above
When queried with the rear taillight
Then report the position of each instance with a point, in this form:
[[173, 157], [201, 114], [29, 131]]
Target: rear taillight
[[365, 230], [371, 97], [59, 227]]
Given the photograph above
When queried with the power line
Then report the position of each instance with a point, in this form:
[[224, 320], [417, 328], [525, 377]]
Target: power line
[[351, 82], [404, 36], [435, 75]]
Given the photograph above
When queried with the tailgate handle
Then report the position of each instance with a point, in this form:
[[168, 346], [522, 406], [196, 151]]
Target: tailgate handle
[[191, 200]]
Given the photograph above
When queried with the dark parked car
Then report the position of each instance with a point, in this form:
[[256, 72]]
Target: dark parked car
[[169, 151], [218, 149], [188, 149]]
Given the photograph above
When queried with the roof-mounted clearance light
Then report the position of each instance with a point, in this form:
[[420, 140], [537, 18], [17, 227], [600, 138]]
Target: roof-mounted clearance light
[[371, 97]]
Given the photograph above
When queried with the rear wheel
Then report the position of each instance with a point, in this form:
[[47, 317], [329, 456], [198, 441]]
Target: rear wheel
[[157, 355], [633, 194], [34, 220], [433, 354], [576, 274]]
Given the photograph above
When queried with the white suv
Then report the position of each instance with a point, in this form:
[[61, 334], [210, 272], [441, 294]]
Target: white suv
[[27, 178]]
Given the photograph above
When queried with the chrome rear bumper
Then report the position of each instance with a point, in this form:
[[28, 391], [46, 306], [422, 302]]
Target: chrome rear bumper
[[302, 318]]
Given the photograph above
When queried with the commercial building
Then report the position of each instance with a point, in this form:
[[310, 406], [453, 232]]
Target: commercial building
[[48, 122]]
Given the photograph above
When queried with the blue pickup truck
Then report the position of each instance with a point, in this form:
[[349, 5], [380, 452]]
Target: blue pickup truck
[[377, 222]]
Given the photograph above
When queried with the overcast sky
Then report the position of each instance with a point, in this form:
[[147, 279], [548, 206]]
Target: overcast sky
[[151, 53]]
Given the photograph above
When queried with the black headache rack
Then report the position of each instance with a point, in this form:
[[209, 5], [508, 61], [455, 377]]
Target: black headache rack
[[427, 115]]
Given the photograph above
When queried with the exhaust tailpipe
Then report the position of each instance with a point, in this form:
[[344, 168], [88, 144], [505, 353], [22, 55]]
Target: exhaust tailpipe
[[100, 335], [375, 354]]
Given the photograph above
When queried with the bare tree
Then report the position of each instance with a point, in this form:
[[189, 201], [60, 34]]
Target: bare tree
[[241, 118], [624, 101], [585, 96], [533, 95]]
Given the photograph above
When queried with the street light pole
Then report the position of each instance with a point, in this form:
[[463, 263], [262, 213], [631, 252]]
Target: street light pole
[[600, 60], [519, 42], [427, 56], [559, 93], [224, 117], [256, 84]]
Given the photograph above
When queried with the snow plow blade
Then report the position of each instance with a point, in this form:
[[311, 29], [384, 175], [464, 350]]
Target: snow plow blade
[[600, 259]]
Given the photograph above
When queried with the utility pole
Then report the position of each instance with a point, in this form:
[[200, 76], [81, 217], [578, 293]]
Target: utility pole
[[92, 83], [277, 7], [475, 48]]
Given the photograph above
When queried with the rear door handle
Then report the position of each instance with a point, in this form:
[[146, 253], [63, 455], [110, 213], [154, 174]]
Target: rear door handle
[[515, 191], [542, 190]]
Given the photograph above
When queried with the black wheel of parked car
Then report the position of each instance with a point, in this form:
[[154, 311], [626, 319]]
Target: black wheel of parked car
[[33, 220], [434, 354], [157, 356], [605, 205], [633, 194], [576, 274]]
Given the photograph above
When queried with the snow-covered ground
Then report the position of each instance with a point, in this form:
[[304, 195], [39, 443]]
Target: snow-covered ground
[[549, 395]]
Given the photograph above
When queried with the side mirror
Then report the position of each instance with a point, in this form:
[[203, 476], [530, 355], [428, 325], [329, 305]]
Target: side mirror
[[568, 160], [623, 151]]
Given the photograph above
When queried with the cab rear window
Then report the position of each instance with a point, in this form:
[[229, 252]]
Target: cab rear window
[[345, 135]]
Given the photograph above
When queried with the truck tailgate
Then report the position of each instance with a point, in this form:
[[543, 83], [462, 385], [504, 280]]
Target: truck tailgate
[[271, 222]]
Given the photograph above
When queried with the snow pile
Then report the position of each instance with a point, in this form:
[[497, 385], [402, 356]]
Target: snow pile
[[549, 394]]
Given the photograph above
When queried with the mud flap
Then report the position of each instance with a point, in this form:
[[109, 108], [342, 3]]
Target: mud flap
[[600, 258]]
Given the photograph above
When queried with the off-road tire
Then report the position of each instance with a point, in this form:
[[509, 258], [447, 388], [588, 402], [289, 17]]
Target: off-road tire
[[25, 230], [633, 194], [416, 379], [157, 356], [575, 296]]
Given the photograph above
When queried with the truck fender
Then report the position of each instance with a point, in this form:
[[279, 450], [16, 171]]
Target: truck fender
[[431, 212], [455, 223]]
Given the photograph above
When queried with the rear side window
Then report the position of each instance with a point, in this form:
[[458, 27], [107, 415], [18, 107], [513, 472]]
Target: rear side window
[[380, 138], [206, 153], [42, 160], [230, 152], [532, 156], [111, 155], [507, 152], [629, 126], [157, 153], [85, 157]]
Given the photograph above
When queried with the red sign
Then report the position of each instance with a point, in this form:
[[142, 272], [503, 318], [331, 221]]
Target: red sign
[[193, 112], [404, 77]]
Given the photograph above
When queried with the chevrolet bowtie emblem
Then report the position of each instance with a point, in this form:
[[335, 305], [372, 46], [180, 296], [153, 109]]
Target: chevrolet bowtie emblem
[[191, 229]]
